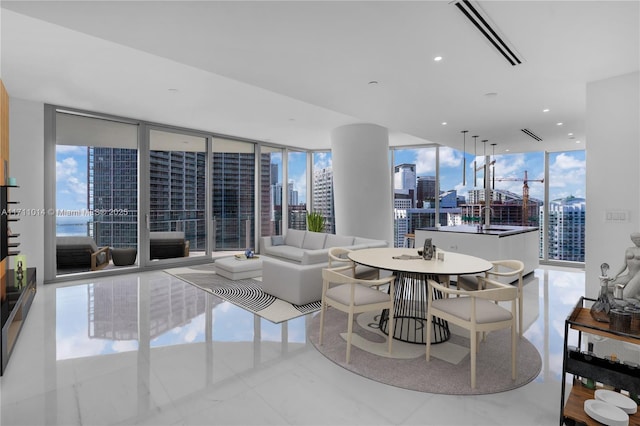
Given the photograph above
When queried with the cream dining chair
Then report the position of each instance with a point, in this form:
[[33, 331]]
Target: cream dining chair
[[476, 312], [353, 296], [508, 268], [338, 256]]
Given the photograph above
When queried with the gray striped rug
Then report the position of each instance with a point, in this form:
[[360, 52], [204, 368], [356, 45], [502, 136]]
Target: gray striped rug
[[245, 293]]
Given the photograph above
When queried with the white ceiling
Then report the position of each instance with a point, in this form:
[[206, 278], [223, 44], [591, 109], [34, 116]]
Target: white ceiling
[[291, 71]]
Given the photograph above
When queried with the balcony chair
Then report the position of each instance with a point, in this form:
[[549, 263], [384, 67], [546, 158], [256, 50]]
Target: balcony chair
[[354, 296], [508, 269], [477, 312], [168, 245], [80, 252]]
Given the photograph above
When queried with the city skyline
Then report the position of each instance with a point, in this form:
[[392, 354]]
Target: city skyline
[[566, 172]]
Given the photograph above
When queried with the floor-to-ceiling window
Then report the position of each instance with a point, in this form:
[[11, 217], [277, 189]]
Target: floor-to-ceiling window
[[233, 194], [177, 221], [297, 189], [565, 235], [322, 189], [414, 191], [271, 175], [96, 191]]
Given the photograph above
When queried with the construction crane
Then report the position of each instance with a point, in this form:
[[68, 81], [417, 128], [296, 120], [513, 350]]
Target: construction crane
[[525, 192]]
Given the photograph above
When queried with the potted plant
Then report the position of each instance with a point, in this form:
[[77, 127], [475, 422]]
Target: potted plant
[[315, 222]]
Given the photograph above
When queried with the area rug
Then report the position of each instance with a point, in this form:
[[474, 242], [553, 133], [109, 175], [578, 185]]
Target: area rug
[[245, 293], [448, 371]]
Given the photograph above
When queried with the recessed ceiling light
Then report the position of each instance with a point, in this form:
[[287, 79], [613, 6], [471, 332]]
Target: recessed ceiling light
[[577, 141], [545, 110], [373, 82], [570, 134], [507, 150], [437, 58], [559, 124], [444, 123]]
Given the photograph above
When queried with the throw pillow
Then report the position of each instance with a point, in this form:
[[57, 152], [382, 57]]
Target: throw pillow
[[277, 240]]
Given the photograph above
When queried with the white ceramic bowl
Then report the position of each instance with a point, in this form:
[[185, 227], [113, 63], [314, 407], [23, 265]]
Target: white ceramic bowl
[[621, 401], [606, 413]]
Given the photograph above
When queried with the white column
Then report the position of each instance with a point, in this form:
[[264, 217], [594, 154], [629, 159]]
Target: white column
[[362, 181], [613, 154]]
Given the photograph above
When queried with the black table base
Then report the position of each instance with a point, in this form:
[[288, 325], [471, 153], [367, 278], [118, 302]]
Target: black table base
[[410, 311]]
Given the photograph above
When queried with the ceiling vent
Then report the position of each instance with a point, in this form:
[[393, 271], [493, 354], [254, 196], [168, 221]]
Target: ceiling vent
[[531, 134], [473, 14]]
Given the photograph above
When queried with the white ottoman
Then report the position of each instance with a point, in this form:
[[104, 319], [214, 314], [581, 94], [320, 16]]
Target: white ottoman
[[236, 269]]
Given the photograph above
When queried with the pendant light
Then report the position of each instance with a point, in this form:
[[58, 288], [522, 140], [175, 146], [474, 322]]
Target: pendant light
[[485, 168], [475, 154], [493, 166], [464, 157]]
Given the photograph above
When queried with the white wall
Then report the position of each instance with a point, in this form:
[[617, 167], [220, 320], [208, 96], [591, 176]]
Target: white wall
[[613, 172], [26, 164]]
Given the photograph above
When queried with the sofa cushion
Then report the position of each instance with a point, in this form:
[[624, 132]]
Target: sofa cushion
[[368, 242], [314, 240], [294, 237], [287, 252], [311, 257], [76, 243], [334, 240], [277, 240]]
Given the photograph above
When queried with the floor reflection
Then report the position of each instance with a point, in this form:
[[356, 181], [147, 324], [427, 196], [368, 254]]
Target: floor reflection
[[149, 348]]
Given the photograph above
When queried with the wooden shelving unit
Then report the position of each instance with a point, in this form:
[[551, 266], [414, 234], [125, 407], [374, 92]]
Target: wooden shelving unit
[[8, 242], [618, 375], [16, 294]]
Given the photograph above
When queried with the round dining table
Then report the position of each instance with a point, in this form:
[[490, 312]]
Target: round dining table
[[411, 290]]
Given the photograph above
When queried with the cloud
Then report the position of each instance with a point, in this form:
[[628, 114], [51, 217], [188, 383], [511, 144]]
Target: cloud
[[70, 149], [564, 161], [322, 160], [567, 176], [450, 157], [70, 180], [425, 159]]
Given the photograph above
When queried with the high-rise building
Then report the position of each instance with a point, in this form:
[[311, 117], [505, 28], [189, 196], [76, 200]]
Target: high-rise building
[[566, 229], [322, 200], [233, 183], [426, 189], [404, 182], [113, 184], [293, 194], [177, 196]]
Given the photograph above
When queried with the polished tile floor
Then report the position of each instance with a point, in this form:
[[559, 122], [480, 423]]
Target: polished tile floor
[[146, 348]]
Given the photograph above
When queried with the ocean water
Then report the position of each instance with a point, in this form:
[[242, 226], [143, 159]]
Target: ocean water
[[71, 227]]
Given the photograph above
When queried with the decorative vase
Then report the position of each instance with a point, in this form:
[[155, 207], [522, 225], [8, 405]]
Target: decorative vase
[[602, 306], [427, 250]]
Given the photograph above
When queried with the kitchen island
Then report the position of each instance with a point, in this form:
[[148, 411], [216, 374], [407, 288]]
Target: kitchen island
[[495, 242]]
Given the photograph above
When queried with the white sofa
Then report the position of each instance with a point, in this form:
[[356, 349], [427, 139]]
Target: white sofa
[[292, 264]]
